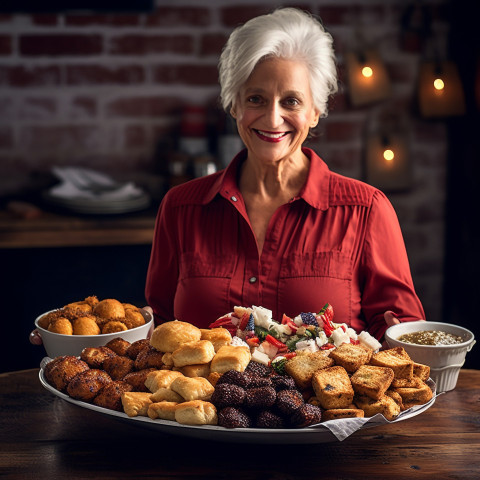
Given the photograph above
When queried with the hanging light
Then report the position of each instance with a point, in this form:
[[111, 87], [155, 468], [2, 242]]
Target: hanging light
[[367, 77], [440, 91]]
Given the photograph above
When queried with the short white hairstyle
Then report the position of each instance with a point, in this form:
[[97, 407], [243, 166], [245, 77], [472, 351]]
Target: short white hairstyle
[[287, 33]]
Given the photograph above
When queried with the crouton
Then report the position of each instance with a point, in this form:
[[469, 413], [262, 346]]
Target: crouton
[[372, 381], [302, 367], [395, 358], [332, 387], [421, 371], [385, 405], [414, 382], [351, 357], [396, 397], [335, 413], [414, 396]]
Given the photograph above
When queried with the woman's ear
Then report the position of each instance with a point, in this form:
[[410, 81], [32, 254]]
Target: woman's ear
[[233, 113], [315, 119]]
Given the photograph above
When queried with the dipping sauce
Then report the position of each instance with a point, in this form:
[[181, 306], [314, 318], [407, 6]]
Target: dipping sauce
[[431, 337]]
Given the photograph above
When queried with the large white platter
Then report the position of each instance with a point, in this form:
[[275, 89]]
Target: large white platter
[[331, 431]]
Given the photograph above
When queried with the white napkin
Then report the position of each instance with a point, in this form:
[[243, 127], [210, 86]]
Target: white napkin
[[77, 182]]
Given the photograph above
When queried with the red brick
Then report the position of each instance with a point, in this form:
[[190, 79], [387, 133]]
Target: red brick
[[115, 20], [149, 107], [212, 44], [5, 45], [186, 74], [60, 44], [178, 16], [45, 19], [98, 74], [82, 107], [19, 76], [143, 44], [38, 108], [61, 138], [339, 131], [236, 15]]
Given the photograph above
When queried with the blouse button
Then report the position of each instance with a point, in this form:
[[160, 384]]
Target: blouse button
[[252, 279], [233, 198]]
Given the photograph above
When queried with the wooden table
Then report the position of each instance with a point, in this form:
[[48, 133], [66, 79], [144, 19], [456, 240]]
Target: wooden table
[[42, 436]]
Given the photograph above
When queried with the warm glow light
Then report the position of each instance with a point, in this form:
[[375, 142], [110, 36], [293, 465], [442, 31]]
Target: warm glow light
[[367, 72], [438, 84], [388, 155]]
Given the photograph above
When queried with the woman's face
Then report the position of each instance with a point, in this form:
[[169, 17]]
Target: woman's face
[[274, 110]]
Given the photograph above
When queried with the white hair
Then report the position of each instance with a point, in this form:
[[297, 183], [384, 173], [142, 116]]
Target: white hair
[[287, 33]]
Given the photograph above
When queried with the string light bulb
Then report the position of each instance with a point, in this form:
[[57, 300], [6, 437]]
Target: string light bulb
[[388, 155], [367, 72], [438, 84]]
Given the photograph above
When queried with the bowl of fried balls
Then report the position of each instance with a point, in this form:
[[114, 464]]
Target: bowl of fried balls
[[90, 323]]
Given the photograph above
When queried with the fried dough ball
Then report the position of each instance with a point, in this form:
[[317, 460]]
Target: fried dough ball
[[118, 345], [85, 326], [114, 326], [95, 356], [86, 385], [258, 369], [267, 419], [110, 395], [136, 347], [149, 357], [79, 307], [288, 401], [44, 320], [60, 371], [260, 397], [306, 415], [231, 417], [235, 377], [92, 300], [133, 318], [228, 395], [283, 382], [117, 367], [109, 308], [257, 381], [129, 306], [61, 325], [137, 379]]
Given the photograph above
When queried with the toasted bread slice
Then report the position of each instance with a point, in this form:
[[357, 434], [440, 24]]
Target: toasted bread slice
[[335, 413], [302, 367], [332, 387], [385, 405], [372, 381], [421, 371], [414, 396], [414, 382], [351, 357], [395, 358], [396, 397]]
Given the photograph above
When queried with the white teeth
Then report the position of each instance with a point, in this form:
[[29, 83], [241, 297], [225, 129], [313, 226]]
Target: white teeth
[[271, 135]]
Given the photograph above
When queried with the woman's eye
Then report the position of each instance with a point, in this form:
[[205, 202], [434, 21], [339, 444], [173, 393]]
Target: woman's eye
[[292, 102], [254, 99]]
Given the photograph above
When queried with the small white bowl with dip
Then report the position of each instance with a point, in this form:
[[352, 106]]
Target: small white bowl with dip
[[445, 361]]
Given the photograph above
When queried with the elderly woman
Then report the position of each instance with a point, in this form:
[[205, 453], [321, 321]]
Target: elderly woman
[[277, 228]]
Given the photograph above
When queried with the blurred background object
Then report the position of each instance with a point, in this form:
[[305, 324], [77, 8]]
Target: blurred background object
[[110, 87]]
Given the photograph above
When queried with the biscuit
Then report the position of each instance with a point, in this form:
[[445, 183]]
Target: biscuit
[[196, 412], [196, 370], [193, 353], [168, 336], [136, 403], [166, 394], [197, 388], [218, 336], [231, 357], [163, 410], [160, 379]]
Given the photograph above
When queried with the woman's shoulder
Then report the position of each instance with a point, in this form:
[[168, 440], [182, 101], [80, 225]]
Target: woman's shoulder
[[350, 191]]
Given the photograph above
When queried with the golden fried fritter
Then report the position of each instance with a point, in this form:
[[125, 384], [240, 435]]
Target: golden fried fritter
[[111, 395], [92, 300], [114, 326], [109, 308], [85, 326], [44, 320], [95, 356], [129, 306], [61, 325], [149, 357], [136, 347], [86, 385], [60, 371], [137, 379], [117, 367], [133, 318], [79, 307], [118, 345]]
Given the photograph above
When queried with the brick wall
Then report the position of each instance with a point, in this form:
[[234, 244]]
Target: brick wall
[[103, 90]]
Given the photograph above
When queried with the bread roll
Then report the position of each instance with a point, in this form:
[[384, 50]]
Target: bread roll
[[168, 336], [196, 370], [196, 412], [160, 379], [164, 410], [197, 388], [136, 403], [193, 353], [167, 395], [218, 336], [230, 357]]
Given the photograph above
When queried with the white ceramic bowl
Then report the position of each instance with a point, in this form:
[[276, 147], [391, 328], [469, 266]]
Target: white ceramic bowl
[[444, 361], [57, 344]]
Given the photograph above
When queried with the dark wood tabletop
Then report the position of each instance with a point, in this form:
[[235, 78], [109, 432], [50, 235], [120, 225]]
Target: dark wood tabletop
[[43, 436]]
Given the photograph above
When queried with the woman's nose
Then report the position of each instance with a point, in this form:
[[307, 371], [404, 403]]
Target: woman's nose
[[274, 115]]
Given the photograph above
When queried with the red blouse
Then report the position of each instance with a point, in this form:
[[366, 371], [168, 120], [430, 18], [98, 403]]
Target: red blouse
[[339, 242]]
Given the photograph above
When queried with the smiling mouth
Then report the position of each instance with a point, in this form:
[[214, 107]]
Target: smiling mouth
[[270, 136]]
